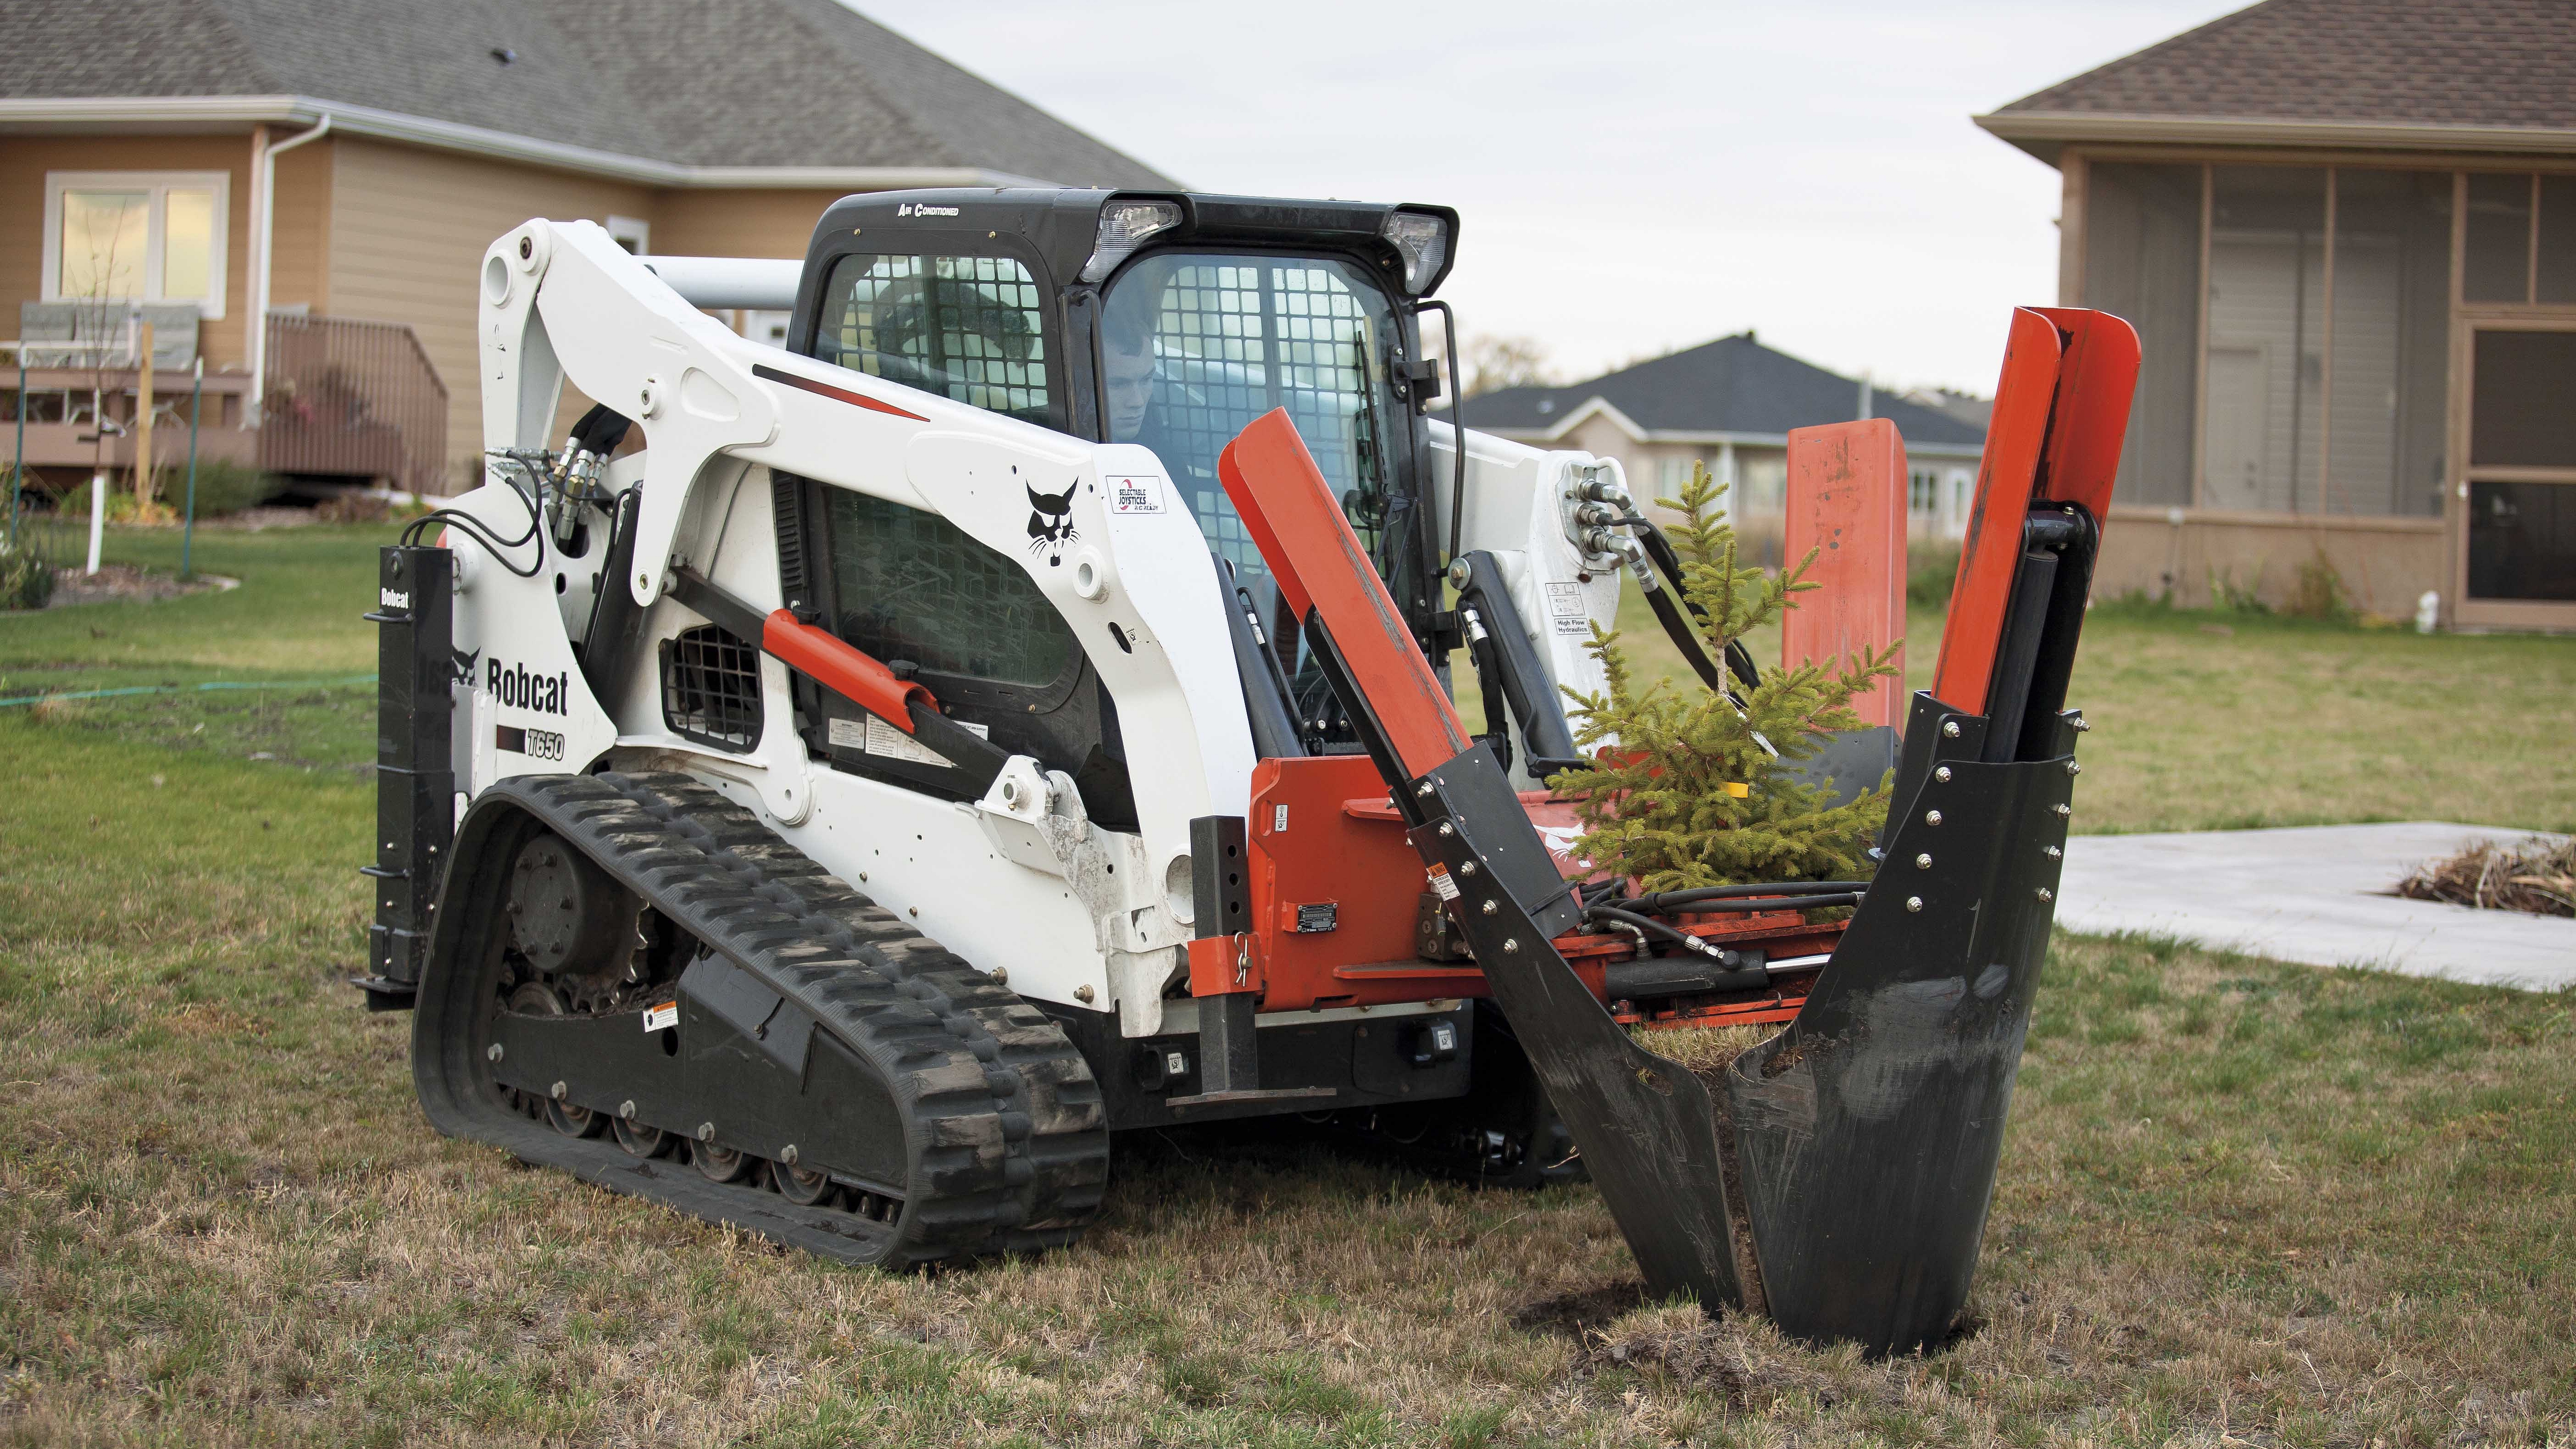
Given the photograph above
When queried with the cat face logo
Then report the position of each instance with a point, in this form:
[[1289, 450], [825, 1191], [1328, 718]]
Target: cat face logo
[[1051, 522], [463, 666]]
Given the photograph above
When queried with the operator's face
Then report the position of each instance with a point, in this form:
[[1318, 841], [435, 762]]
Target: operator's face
[[1131, 391]]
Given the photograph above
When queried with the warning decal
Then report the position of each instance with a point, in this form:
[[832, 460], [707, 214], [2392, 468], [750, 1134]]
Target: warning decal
[[1135, 495], [1565, 609]]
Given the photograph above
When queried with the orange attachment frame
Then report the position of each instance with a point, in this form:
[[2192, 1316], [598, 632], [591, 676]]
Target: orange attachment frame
[[2061, 412], [1293, 518], [1847, 502]]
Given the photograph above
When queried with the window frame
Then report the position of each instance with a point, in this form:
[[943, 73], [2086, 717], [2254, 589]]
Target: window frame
[[927, 245], [159, 184], [1393, 417], [631, 232]]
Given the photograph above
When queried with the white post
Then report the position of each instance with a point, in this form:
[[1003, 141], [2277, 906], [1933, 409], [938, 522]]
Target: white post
[[97, 515]]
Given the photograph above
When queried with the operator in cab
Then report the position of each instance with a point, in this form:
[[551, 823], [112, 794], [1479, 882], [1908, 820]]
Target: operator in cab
[[1132, 378]]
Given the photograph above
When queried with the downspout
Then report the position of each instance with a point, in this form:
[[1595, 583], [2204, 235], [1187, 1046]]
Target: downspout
[[263, 225]]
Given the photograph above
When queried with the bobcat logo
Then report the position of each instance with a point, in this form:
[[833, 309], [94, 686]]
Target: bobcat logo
[[463, 666], [1050, 522]]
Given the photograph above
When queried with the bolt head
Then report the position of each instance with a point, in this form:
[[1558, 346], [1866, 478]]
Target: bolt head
[[1931, 817], [2064, 811], [1914, 903], [1447, 829], [1949, 729], [1082, 994], [1511, 945], [492, 1053], [559, 1091], [2080, 724], [1489, 908], [787, 1154], [1942, 774], [527, 247], [626, 1109], [2054, 852], [706, 1132], [2044, 894], [1923, 862], [2073, 768], [1466, 867], [1423, 789]]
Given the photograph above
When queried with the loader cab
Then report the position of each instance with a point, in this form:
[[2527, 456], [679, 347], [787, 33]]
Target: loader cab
[[1166, 320]]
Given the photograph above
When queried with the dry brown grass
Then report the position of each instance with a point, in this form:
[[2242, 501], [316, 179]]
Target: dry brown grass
[[2538, 875], [2240, 1203]]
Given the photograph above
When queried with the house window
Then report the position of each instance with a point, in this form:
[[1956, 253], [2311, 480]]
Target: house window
[[2326, 307], [633, 234], [1923, 493], [137, 236]]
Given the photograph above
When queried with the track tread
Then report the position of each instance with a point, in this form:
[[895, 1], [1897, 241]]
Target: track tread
[[1014, 1152]]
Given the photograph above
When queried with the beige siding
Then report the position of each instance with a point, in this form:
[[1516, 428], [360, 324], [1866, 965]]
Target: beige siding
[[737, 223], [2385, 563], [24, 160], [408, 229], [300, 228]]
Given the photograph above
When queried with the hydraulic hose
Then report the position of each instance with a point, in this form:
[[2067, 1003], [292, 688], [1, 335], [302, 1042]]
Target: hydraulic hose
[[1651, 927], [1669, 563]]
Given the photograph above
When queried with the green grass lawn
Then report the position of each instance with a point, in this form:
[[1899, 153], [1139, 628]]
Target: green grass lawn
[[2220, 722], [2240, 1202]]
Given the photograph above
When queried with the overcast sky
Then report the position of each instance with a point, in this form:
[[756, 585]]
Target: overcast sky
[[1633, 177]]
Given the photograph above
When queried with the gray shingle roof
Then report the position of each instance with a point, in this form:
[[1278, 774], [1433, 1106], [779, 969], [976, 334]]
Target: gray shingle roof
[[1732, 385], [2457, 63], [688, 82]]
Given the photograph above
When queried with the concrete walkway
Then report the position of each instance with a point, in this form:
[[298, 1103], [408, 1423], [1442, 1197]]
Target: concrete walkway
[[2315, 894]]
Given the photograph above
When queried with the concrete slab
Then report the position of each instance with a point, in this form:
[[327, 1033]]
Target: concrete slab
[[2313, 894]]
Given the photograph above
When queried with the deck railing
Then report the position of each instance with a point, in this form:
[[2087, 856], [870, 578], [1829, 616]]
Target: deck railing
[[357, 399]]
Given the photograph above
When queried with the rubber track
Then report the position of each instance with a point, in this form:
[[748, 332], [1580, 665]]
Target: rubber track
[[1011, 1134]]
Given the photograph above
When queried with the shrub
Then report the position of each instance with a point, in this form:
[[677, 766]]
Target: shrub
[[1930, 574], [2320, 593], [2228, 596], [223, 486], [353, 508], [26, 571], [1689, 793]]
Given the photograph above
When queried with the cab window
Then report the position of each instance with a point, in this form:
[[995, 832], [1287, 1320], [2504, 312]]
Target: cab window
[[912, 585], [968, 328]]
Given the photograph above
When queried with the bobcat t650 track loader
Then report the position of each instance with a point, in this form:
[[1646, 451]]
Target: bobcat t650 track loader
[[1019, 712]]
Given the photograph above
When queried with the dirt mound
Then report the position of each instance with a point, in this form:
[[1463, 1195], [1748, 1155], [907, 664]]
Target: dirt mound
[[118, 581]]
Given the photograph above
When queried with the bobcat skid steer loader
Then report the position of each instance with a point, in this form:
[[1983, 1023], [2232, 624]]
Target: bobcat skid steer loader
[[835, 790]]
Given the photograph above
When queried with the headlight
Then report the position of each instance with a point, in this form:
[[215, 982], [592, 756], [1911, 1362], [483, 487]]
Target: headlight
[[1124, 226], [1423, 241]]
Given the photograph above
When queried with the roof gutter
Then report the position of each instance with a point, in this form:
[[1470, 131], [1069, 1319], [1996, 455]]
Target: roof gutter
[[2044, 133], [37, 115]]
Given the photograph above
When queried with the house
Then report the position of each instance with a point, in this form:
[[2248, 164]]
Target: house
[[2346, 233], [1729, 405], [304, 188]]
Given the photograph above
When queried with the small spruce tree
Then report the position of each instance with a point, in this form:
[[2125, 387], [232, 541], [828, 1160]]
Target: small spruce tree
[[1690, 796]]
